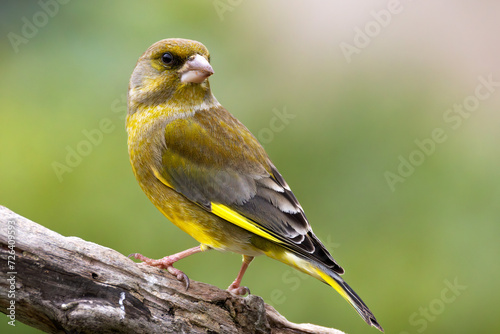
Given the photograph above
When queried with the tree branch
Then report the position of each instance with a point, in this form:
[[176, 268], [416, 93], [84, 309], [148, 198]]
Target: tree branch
[[67, 285]]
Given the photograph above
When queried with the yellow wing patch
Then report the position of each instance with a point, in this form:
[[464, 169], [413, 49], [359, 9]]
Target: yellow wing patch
[[239, 220], [230, 215]]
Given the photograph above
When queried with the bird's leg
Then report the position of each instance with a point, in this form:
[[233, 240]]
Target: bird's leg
[[168, 262], [235, 287]]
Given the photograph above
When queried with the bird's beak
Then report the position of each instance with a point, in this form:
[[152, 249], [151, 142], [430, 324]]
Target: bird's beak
[[196, 70]]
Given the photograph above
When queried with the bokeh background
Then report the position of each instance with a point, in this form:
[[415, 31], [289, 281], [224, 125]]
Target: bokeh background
[[357, 104]]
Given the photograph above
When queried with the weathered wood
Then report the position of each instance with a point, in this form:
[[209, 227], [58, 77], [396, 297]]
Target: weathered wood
[[67, 285]]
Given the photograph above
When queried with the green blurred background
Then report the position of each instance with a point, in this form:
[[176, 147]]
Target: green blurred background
[[401, 245]]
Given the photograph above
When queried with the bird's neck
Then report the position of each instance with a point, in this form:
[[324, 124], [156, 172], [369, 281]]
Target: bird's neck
[[187, 98], [184, 102]]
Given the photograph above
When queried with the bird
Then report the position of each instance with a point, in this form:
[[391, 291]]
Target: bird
[[210, 176]]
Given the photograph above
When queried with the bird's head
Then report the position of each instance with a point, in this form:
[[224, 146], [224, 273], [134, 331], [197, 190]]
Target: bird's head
[[172, 72]]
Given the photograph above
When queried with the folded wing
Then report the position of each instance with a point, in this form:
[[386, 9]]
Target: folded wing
[[214, 161]]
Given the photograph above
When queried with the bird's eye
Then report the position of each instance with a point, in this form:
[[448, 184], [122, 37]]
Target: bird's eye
[[167, 58]]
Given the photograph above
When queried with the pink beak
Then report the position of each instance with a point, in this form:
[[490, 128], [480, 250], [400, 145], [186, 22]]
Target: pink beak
[[196, 70]]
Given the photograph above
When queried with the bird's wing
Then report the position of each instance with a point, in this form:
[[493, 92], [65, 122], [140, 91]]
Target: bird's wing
[[214, 161]]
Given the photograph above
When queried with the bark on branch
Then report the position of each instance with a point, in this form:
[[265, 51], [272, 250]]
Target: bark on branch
[[67, 285]]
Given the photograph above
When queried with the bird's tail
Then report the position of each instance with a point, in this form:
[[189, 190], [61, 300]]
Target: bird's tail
[[333, 279]]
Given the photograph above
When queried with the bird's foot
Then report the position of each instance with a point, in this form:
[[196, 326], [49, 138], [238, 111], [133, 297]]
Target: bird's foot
[[238, 290], [165, 263], [235, 287]]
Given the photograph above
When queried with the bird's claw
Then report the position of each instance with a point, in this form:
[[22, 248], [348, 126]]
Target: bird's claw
[[165, 263], [179, 275]]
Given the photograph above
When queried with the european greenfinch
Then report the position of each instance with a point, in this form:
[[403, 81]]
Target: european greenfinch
[[209, 175]]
